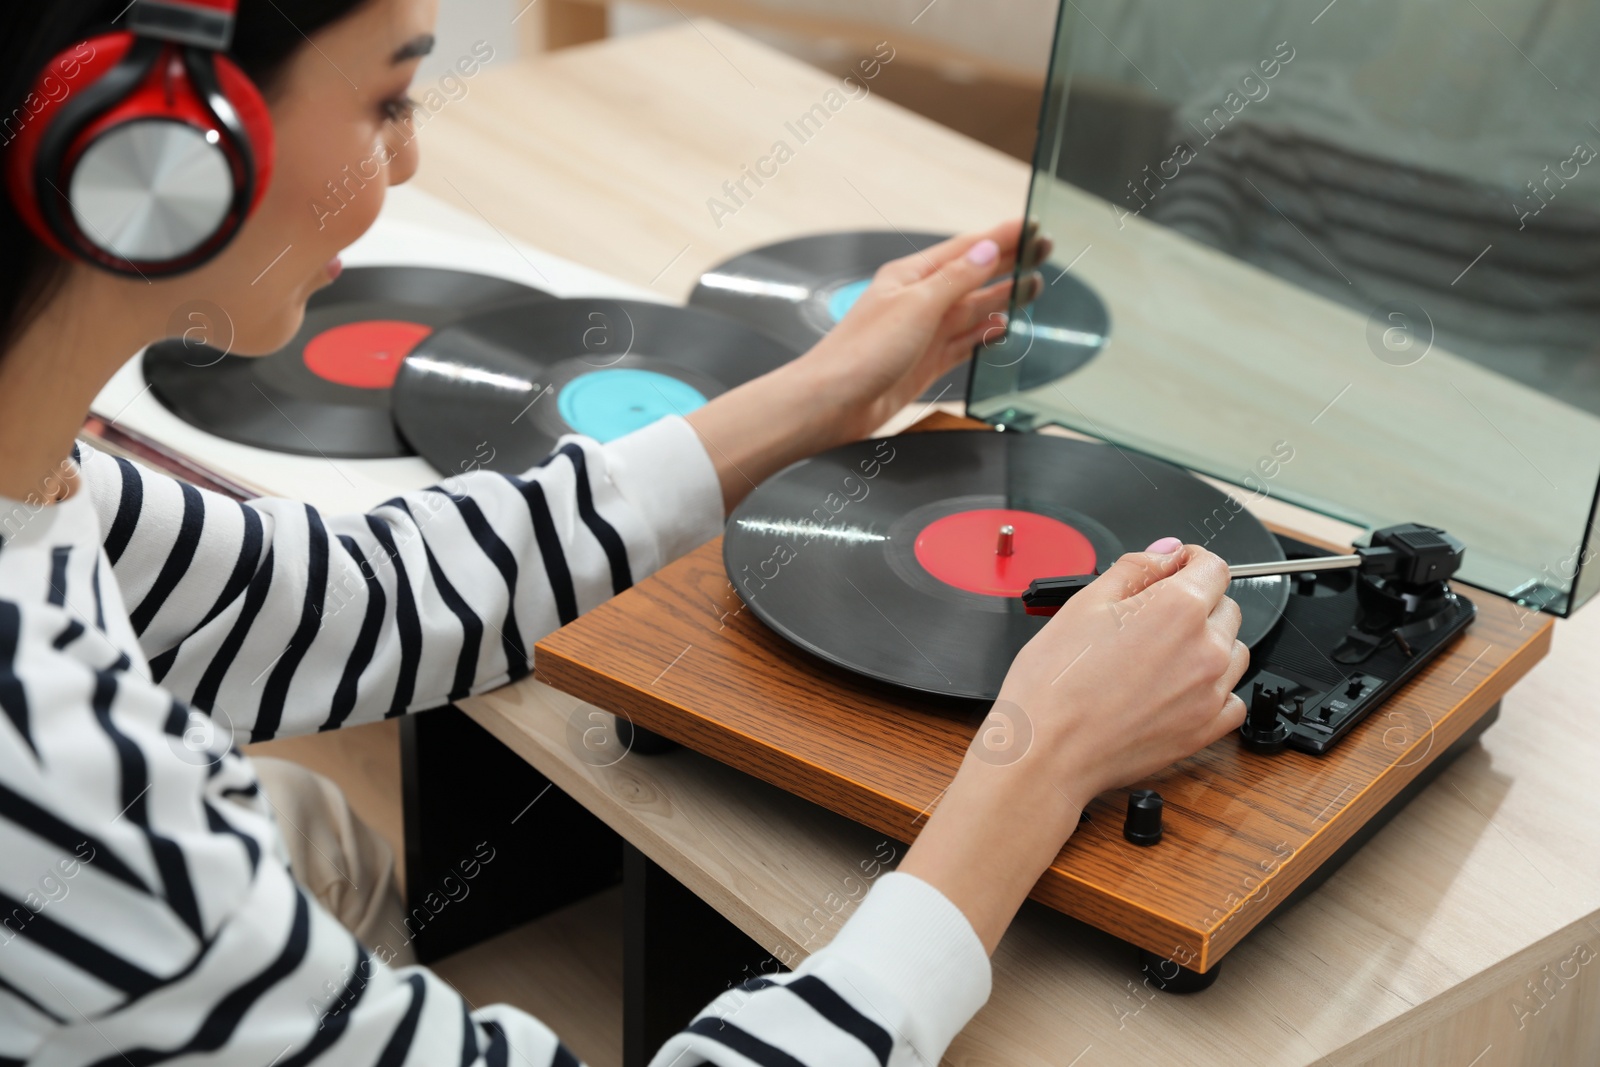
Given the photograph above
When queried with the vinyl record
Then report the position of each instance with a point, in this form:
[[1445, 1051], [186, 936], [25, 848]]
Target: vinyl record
[[880, 556], [327, 392], [1065, 327], [797, 290], [496, 390]]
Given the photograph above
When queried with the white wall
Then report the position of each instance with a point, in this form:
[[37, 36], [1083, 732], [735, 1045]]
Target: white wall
[[463, 23]]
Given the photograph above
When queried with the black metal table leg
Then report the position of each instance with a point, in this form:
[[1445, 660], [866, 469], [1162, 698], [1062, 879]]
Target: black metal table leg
[[490, 842], [679, 954]]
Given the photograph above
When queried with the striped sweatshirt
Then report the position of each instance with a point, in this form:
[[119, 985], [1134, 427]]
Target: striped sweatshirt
[[147, 912]]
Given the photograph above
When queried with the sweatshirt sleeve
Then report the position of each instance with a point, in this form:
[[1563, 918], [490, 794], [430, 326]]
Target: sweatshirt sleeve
[[893, 988], [149, 916], [278, 619], [147, 913]]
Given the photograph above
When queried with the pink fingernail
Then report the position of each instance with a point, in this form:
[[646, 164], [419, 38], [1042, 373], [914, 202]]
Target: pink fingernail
[[983, 253], [1165, 546]]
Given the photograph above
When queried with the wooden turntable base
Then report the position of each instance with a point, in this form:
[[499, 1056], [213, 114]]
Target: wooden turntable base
[[678, 655]]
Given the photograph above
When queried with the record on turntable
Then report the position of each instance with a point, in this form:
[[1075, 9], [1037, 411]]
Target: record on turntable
[[903, 559], [327, 392], [496, 390], [797, 290]]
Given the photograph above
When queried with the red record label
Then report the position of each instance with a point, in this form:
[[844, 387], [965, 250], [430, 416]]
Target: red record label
[[962, 550], [363, 355]]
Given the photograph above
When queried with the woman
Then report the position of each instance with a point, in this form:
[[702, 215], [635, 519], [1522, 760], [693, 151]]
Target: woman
[[149, 912]]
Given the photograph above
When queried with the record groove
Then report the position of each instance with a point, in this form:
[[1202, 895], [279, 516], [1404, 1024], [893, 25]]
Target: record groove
[[824, 551], [797, 290], [496, 390], [327, 392]]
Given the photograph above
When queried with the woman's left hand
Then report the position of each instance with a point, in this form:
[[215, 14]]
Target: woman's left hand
[[921, 316]]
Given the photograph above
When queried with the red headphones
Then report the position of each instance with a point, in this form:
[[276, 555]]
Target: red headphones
[[144, 151]]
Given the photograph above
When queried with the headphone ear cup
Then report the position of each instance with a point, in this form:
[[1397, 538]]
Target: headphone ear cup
[[79, 88], [251, 108], [70, 76]]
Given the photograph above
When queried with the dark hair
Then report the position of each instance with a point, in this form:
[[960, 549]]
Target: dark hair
[[266, 34]]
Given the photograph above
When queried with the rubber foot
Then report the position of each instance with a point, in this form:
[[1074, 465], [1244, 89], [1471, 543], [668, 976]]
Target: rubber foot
[[644, 742], [1170, 977]]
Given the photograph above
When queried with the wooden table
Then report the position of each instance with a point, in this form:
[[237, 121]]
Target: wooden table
[[1466, 933]]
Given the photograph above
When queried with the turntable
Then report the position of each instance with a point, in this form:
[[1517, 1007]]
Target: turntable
[[682, 655], [841, 638]]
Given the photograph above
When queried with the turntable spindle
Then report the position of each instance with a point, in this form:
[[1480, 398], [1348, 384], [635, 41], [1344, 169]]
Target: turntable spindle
[[1007, 542]]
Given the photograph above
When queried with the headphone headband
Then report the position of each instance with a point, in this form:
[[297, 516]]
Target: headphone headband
[[202, 23]]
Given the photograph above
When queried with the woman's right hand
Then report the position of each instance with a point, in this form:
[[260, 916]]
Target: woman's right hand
[[1133, 674]]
